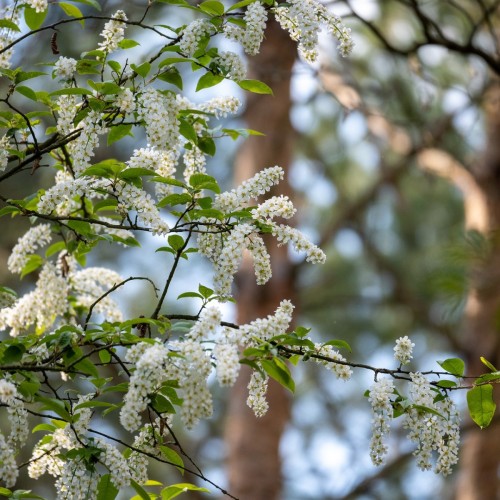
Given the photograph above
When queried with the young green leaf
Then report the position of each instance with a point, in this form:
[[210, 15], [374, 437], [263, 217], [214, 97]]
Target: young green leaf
[[481, 405], [455, 366]]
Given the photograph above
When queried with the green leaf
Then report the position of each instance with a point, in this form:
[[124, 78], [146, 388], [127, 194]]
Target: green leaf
[[71, 10], [140, 490], [5, 23], [119, 132], [13, 354], [201, 181], [175, 199], [177, 489], [205, 291], [190, 295], [27, 92], [207, 145], [455, 366], [481, 405], [55, 248], [71, 91], [212, 7], [143, 69], [446, 384], [339, 344], [241, 4], [188, 131], [173, 457], [172, 76], [92, 3], [277, 370], [34, 19], [208, 80], [126, 43], [43, 427], [5, 492], [161, 404], [176, 241], [33, 262], [56, 406], [22, 76], [130, 173], [255, 86], [488, 364], [106, 490]]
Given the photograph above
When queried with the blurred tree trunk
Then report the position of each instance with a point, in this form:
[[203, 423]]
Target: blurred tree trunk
[[254, 465], [480, 460]]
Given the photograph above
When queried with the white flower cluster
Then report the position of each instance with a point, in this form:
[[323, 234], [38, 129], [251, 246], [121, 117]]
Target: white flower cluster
[[76, 481], [303, 19], [257, 389], [8, 467], [276, 206], [10, 12], [261, 259], [255, 23], [192, 35], [147, 441], [38, 5], [159, 113], [90, 284], [207, 324], [228, 363], [113, 32], [65, 67], [195, 367], [125, 101], [231, 65], [133, 198], [403, 350], [341, 370], [258, 185], [149, 373], [115, 462], [220, 106], [60, 197], [34, 238], [41, 306], [265, 328], [286, 234], [46, 454], [380, 399], [431, 431], [18, 416], [83, 147], [67, 107], [18, 419], [4, 153], [194, 162]]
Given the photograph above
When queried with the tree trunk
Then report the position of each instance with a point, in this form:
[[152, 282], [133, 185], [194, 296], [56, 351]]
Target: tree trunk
[[254, 465], [480, 460]]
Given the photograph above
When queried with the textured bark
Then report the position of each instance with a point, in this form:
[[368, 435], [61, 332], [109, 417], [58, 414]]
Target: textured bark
[[480, 460], [254, 465]]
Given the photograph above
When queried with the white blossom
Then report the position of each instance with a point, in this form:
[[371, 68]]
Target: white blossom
[[380, 399], [125, 101], [341, 370], [276, 206], [4, 153], [252, 35], [257, 389], [231, 65], [67, 108], [34, 238], [65, 67], [403, 350], [192, 35], [228, 363], [159, 113], [113, 32], [38, 5], [8, 466], [221, 106]]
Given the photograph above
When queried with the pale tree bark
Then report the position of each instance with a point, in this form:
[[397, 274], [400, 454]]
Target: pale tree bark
[[254, 465], [480, 460], [480, 457]]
